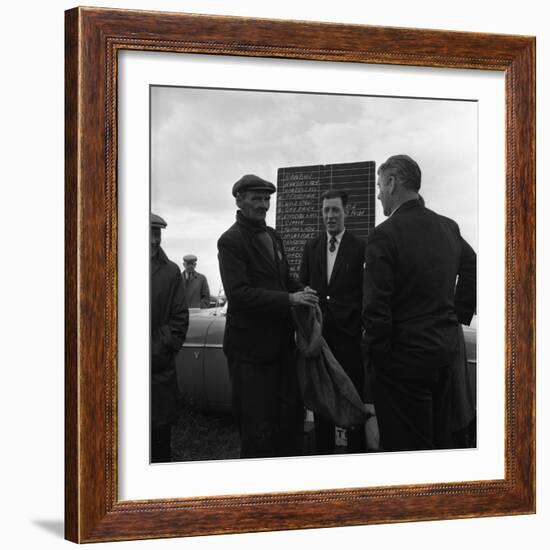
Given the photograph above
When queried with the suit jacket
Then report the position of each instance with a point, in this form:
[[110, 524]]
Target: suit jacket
[[258, 324], [340, 298], [196, 290], [412, 262]]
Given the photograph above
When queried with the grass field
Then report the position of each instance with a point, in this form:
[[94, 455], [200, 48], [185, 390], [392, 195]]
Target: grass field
[[204, 436], [212, 436]]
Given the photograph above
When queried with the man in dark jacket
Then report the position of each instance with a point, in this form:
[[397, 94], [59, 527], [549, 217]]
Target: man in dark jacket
[[169, 322], [332, 264], [258, 339], [412, 262]]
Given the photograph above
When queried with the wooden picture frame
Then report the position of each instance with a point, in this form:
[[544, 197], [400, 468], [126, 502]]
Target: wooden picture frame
[[93, 511]]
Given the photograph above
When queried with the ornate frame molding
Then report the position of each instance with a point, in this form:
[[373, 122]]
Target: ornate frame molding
[[93, 38]]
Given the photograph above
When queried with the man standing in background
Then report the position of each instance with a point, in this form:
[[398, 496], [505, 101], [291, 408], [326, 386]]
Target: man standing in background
[[332, 264], [259, 336], [169, 322], [197, 292]]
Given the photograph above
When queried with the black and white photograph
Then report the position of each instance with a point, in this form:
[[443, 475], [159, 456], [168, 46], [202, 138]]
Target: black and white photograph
[[246, 233], [312, 273]]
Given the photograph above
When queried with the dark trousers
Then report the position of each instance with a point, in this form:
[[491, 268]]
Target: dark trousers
[[347, 351], [267, 408], [413, 407], [161, 443]]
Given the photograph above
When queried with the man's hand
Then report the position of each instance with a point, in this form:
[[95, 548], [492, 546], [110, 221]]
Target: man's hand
[[306, 297]]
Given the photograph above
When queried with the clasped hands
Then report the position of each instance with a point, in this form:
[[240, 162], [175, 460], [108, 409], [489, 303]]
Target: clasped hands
[[307, 297]]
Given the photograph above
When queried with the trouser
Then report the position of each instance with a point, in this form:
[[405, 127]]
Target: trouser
[[161, 443], [267, 408], [164, 394], [347, 351], [413, 407]]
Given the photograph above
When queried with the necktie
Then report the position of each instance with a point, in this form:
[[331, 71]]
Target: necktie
[[332, 244]]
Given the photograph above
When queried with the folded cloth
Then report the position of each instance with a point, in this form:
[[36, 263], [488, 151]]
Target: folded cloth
[[326, 388]]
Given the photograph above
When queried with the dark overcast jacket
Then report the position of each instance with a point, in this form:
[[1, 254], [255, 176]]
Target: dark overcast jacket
[[169, 323], [412, 262]]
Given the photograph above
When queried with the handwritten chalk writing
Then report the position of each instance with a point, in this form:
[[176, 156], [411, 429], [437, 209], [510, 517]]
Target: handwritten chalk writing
[[298, 235], [298, 176], [299, 195], [353, 210], [299, 191], [296, 209]]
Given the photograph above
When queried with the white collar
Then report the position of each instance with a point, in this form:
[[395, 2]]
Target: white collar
[[338, 237]]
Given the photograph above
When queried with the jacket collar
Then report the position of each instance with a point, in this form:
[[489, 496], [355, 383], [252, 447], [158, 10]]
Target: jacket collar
[[322, 255], [408, 205], [252, 230], [338, 237], [253, 226], [158, 261]]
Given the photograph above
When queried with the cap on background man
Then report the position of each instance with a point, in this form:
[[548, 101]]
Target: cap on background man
[[157, 221]]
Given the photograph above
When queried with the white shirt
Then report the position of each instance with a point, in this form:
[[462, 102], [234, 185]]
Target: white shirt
[[331, 256]]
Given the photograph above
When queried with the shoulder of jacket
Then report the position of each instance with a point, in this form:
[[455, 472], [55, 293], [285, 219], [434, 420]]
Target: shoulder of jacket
[[382, 228], [173, 267], [448, 221], [354, 238], [273, 232], [382, 233], [311, 243], [231, 234]]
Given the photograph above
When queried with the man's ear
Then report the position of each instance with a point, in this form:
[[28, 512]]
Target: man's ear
[[392, 184], [239, 198]]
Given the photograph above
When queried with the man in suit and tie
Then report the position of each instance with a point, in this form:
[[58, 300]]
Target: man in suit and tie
[[259, 335], [410, 311], [332, 264]]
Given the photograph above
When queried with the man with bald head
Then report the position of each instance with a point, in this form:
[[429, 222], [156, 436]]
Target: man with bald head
[[409, 314]]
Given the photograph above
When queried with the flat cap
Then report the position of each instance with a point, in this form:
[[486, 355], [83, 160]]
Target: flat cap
[[157, 221], [250, 182], [189, 258]]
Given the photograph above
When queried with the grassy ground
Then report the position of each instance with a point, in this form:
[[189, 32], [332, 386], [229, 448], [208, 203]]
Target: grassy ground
[[204, 436], [212, 436]]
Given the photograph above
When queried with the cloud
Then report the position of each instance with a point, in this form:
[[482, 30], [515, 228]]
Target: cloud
[[202, 141]]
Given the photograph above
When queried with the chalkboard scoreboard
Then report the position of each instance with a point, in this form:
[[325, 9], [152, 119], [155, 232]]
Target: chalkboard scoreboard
[[299, 190]]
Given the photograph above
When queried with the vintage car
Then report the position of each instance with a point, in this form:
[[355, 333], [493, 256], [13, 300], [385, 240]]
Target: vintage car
[[201, 366]]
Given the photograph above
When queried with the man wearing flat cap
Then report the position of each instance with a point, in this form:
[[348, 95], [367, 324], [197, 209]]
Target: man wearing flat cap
[[258, 340], [197, 292], [169, 322]]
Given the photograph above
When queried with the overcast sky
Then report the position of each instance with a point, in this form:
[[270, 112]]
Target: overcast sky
[[203, 141]]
